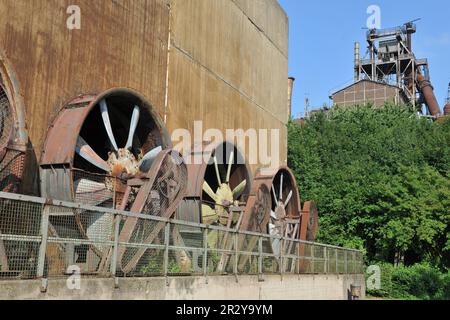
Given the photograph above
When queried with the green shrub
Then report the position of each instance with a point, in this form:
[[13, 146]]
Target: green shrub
[[420, 281], [386, 289]]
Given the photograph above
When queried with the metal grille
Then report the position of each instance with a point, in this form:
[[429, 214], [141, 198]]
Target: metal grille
[[6, 118], [11, 171], [42, 238], [19, 238]]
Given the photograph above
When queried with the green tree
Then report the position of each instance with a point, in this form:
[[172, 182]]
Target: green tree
[[380, 177]]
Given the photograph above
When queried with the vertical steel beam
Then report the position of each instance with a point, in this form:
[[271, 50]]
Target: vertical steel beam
[[43, 246], [283, 244], [236, 241], [166, 251], [337, 261], [113, 267], [346, 261], [260, 258], [205, 254]]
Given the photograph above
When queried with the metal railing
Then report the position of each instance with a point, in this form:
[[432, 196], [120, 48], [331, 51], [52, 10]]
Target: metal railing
[[41, 238]]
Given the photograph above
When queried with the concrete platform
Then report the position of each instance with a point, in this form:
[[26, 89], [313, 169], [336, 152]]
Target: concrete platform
[[273, 287]]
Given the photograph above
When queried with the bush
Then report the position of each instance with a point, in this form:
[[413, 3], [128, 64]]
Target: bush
[[385, 290], [380, 178], [420, 281]]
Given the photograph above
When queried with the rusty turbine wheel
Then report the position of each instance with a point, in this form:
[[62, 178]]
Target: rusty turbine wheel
[[216, 186], [311, 224], [83, 160], [285, 213], [215, 196], [272, 208]]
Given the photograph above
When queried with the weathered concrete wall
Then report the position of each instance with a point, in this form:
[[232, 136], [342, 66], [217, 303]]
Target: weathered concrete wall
[[303, 287], [228, 66]]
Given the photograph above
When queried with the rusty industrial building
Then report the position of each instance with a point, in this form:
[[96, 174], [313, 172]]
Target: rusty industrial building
[[390, 73]]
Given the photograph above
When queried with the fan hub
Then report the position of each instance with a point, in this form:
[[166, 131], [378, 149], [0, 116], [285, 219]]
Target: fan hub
[[123, 162], [224, 198], [280, 211]]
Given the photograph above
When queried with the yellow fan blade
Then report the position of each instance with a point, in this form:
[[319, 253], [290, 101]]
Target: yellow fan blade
[[239, 189], [209, 191], [209, 215]]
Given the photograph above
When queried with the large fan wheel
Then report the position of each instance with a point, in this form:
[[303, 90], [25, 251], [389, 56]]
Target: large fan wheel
[[13, 135], [216, 194], [273, 208], [217, 186], [285, 213], [13, 146], [96, 145]]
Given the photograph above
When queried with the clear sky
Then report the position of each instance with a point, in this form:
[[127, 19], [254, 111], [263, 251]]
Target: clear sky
[[323, 32]]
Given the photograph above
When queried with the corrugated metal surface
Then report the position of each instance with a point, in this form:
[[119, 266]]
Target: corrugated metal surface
[[228, 62], [122, 43], [225, 70], [365, 91]]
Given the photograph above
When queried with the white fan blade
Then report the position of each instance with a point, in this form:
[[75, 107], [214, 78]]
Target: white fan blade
[[289, 197], [209, 191], [216, 166], [230, 164], [274, 195], [281, 187], [133, 126], [88, 186], [86, 152], [107, 122], [91, 192], [239, 189], [273, 215], [149, 158]]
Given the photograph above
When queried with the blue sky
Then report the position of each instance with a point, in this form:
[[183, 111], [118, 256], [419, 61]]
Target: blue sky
[[323, 32]]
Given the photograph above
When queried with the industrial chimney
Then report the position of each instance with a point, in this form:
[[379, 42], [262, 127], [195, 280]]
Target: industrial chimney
[[447, 105], [290, 89], [430, 99], [356, 61]]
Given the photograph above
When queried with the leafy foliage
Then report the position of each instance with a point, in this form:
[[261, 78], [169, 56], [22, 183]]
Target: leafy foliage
[[380, 177], [420, 281]]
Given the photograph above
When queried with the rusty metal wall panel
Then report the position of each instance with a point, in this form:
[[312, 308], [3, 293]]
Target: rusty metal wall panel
[[196, 94], [122, 43], [225, 70], [365, 92], [268, 16], [220, 37]]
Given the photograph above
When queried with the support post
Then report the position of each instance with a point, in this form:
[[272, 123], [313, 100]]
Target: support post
[[346, 262], [113, 267], [260, 258], [235, 266], [236, 255], [205, 254], [337, 261], [43, 246], [166, 251], [283, 243], [325, 254]]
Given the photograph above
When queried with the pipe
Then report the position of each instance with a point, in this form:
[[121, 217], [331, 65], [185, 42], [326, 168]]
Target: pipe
[[290, 90], [447, 109], [356, 61], [430, 99], [447, 105]]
